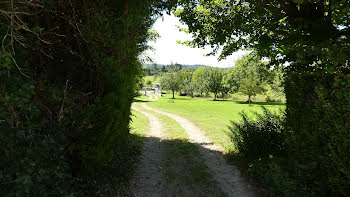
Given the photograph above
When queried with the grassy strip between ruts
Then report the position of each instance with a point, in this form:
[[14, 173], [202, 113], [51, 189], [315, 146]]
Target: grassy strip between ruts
[[138, 124], [185, 171], [212, 116]]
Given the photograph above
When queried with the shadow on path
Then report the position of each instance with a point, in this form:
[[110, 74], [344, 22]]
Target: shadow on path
[[182, 173], [227, 177]]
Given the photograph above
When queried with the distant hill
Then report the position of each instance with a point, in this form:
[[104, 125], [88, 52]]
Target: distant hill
[[155, 69], [184, 66]]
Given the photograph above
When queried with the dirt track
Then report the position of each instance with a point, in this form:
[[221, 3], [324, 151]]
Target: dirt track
[[227, 176], [148, 178]]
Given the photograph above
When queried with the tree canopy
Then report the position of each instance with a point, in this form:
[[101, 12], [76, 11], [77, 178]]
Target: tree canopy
[[199, 80], [309, 34], [214, 78], [249, 76], [170, 81]]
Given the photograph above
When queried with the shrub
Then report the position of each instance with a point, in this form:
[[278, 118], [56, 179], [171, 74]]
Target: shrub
[[262, 148], [261, 138], [271, 99]]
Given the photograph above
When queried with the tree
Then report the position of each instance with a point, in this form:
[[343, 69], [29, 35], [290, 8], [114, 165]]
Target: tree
[[170, 81], [214, 78], [250, 84], [164, 70], [174, 67], [230, 81], [277, 83], [225, 89], [298, 31], [249, 76], [199, 80], [186, 83], [139, 81], [149, 83]]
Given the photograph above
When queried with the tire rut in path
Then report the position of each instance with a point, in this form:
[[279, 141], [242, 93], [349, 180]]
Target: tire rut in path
[[148, 177], [228, 176]]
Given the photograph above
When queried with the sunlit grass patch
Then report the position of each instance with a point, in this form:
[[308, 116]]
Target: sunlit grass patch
[[212, 116]]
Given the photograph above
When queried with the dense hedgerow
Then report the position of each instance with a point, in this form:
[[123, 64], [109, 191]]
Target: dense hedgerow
[[318, 113], [68, 73]]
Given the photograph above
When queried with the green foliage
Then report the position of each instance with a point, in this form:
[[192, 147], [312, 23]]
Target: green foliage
[[171, 81], [300, 33], [68, 74], [261, 138], [276, 87], [249, 76], [214, 80], [186, 82], [199, 80], [313, 139], [261, 146], [273, 171], [149, 83], [318, 111]]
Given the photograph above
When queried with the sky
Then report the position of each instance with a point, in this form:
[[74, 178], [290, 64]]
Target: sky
[[167, 50]]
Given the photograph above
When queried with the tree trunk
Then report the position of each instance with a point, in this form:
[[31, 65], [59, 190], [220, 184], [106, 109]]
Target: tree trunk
[[173, 94], [249, 99], [214, 97]]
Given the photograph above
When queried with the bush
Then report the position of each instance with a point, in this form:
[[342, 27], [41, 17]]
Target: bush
[[262, 149], [274, 100], [261, 138]]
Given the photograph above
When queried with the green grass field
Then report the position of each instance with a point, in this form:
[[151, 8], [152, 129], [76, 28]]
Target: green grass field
[[154, 79], [212, 116]]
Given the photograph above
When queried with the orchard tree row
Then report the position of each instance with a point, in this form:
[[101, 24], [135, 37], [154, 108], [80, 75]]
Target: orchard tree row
[[250, 76]]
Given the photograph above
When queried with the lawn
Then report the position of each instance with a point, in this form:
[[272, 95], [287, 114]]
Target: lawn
[[212, 116], [155, 79]]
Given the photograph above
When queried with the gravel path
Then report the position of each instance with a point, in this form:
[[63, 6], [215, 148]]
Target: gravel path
[[148, 178], [228, 176]]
